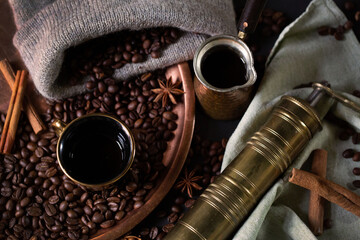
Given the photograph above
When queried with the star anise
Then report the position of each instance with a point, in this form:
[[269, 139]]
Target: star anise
[[188, 182], [167, 90]]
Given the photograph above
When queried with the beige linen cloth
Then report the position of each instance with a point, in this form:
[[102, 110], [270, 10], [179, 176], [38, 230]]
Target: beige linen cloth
[[299, 56]]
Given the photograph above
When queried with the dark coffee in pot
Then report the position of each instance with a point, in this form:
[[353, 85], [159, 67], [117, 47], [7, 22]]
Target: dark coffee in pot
[[222, 67]]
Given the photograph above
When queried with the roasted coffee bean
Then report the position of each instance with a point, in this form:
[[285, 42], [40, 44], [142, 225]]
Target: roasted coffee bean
[[167, 228], [357, 16], [348, 153], [68, 186], [56, 228], [348, 25], [119, 215], [54, 199], [138, 204], [101, 207], [155, 54], [113, 88], [171, 125], [43, 142], [356, 157], [31, 146], [339, 36], [10, 204], [176, 208], [131, 187], [50, 209], [25, 201], [71, 214], [50, 172], [137, 58], [69, 197], [34, 211], [107, 224], [189, 203], [73, 235], [179, 200], [6, 191], [154, 231], [356, 183], [99, 201], [356, 171], [63, 206], [97, 217], [87, 210], [39, 152], [173, 217], [47, 159]]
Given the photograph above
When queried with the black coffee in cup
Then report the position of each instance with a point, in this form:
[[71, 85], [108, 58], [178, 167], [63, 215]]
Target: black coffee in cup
[[95, 150]]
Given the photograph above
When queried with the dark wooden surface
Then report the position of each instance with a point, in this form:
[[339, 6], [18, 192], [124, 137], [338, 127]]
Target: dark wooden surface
[[7, 31], [8, 51]]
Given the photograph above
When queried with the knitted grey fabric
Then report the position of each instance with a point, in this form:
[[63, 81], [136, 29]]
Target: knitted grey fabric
[[46, 28]]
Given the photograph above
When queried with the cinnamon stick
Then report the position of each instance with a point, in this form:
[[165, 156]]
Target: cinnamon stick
[[327, 189], [9, 112], [316, 202], [31, 113], [15, 116]]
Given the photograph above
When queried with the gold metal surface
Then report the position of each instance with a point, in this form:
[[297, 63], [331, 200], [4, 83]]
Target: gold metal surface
[[61, 127], [347, 102], [58, 126], [235, 192], [242, 35]]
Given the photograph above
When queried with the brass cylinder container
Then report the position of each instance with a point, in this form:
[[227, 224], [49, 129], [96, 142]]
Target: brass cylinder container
[[229, 199]]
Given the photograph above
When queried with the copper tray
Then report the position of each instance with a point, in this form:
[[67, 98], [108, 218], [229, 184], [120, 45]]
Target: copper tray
[[174, 157]]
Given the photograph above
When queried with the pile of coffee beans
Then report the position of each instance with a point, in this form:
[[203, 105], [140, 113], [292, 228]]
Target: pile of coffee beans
[[38, 200], [204, 159], [101, 56]]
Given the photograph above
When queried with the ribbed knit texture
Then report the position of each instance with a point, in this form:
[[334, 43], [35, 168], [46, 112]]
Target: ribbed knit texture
[[47, 28]]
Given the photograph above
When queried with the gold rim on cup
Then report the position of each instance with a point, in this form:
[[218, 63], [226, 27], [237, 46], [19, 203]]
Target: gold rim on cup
[[61, 127]]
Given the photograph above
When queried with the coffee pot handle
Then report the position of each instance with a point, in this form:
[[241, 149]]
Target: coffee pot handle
[[250, 17]]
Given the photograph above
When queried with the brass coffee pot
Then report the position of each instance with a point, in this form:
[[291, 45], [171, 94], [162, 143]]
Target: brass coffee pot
[[230, 102]]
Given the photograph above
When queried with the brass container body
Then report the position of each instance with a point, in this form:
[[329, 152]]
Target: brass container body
[[235, 192], [224, 103]]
